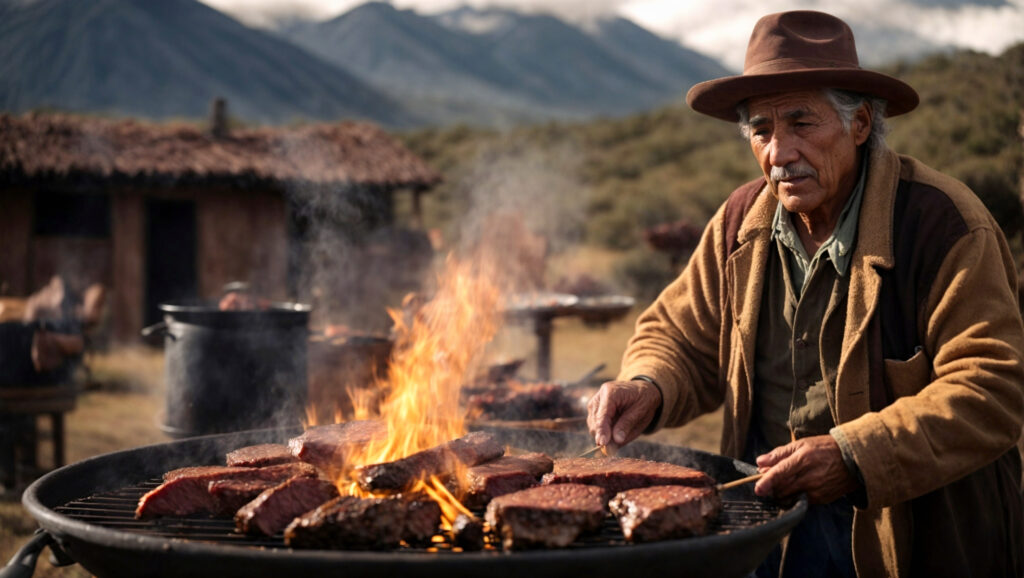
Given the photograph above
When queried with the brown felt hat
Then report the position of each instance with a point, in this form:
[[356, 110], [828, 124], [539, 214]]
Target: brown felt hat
[[796, 51]]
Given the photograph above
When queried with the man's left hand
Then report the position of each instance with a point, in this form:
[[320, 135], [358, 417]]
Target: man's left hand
[[813, 465]]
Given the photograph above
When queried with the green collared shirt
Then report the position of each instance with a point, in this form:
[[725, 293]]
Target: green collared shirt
[[800, 329]]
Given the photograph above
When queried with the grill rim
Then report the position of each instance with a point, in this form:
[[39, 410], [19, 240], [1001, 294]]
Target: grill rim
[[84, 541]]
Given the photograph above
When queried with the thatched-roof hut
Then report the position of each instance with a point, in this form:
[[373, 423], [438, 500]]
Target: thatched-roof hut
[[160, 212]]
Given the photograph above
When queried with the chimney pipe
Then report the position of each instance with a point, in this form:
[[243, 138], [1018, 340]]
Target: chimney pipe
[[219, 118]]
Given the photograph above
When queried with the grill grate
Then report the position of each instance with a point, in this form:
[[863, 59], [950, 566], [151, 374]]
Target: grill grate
[[115, 510]]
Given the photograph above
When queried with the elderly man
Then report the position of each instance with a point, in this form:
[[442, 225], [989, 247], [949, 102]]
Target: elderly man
[[855, 312]]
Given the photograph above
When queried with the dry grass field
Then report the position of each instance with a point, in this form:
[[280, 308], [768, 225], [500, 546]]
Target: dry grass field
[[123, 411]]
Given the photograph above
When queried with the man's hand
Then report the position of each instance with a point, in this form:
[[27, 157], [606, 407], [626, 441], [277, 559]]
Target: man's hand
[[621, 411], [813, 465]]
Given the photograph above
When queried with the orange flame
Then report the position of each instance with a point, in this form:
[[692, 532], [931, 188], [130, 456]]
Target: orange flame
[[439, 345]]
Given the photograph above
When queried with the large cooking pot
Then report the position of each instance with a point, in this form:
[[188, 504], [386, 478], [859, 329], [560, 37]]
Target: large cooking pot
[[231, 371]]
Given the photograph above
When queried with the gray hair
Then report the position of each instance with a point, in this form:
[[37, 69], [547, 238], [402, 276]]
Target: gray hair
[[846, 104]]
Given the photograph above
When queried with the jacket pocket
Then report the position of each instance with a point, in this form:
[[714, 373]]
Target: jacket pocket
[[910, 376]]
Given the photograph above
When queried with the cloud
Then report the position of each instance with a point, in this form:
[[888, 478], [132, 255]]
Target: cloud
[[721, 28]]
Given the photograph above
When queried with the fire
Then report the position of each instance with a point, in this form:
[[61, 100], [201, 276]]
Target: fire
[[439, 344], [437, 347]]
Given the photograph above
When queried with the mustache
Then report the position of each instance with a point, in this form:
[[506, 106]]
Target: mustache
[[792, 171]]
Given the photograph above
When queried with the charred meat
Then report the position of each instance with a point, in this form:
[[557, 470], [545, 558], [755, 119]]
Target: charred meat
[[664, 512], [260, 455], [550, 516], [328, 446], [502, 476], [468, 533], [187, 490], [276, 507], [618, 474], [443, 460], [359, 524]]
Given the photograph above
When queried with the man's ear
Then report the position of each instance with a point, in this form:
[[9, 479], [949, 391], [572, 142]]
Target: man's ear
[[861, 125]]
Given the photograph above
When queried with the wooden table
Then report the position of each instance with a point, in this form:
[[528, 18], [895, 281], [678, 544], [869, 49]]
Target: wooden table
[[541, 309]]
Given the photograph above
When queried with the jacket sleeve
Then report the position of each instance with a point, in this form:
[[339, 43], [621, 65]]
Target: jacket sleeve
[[676, 341], [960, 400]]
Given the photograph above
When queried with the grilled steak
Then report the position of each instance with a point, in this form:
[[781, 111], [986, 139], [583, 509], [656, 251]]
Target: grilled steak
[[186, 490], [356, 523], [275, 508], [422, 518], [260, 455], [550, 516], [233, 494], [520, 401], [468, 533], [469, 450], [327, 446], [618, 474], [502, 476], [664, 512]]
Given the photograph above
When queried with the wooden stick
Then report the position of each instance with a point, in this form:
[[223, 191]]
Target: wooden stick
[[590, 451], [739, 482]]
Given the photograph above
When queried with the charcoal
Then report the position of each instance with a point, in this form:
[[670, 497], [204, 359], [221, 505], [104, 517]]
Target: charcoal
[[552, 516], [328, 446], [275, 508], [260, 455], [616, 474], [443, 460], [665, 512], [351, 523], [502, 476], [186, 491]]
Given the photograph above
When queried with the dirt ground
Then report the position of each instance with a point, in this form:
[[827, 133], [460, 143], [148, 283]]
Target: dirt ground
[[122, 409]]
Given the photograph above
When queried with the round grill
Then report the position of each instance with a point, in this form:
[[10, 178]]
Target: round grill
[[89, 508]]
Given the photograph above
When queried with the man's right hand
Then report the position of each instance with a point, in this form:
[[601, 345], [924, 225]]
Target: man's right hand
[[621, 411]]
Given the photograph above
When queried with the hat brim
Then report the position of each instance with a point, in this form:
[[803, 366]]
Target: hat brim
[[719, 97]]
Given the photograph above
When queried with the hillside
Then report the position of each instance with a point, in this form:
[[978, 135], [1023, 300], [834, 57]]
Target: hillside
[[169, 59], [600, 183]]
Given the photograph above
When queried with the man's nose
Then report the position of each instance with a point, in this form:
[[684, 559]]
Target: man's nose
[[782, 151]]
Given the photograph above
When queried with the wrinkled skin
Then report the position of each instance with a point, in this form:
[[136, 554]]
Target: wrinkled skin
[[621, 411], [813, 465]]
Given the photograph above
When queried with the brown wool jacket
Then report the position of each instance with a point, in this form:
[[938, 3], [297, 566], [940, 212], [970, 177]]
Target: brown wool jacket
[[930, 385]]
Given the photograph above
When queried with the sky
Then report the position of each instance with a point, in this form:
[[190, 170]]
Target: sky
[[718, 28]]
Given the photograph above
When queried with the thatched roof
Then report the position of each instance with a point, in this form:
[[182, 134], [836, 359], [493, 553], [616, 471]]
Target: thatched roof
[[40, 146]]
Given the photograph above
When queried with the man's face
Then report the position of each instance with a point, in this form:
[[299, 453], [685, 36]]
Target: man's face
[[806, 155]]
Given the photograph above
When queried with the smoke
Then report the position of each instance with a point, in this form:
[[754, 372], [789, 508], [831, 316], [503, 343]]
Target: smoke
[[524, 207]]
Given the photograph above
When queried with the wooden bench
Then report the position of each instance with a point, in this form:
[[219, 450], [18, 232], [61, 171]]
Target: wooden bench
[[53, 401]]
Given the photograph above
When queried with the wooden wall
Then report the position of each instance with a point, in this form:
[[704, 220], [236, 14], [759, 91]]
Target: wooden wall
[[15, 235], [128, 248], [243, 236]]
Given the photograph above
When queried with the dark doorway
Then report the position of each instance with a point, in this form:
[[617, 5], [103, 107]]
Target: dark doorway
[[171, 271]]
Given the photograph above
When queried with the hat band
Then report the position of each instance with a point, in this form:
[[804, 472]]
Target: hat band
[[795, 64]]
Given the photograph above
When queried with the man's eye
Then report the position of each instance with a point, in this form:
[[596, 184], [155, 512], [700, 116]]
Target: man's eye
[[761, 132]]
